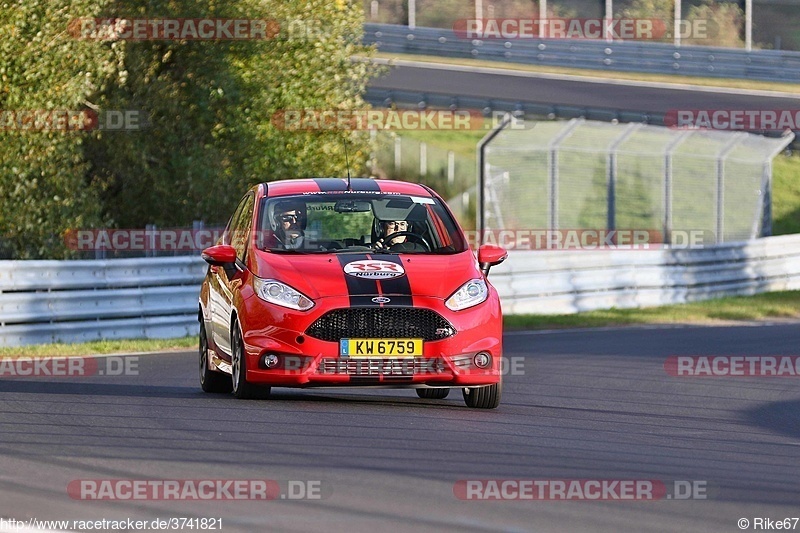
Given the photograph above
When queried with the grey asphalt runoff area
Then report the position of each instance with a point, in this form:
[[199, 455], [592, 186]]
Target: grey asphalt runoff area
[[579, 405]]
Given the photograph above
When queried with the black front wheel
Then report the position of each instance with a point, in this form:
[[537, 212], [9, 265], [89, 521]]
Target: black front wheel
[[210, 380], [241, 388], [487, 397], [433, 394]]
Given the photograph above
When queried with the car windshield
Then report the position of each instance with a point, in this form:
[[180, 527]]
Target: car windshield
[[358, 223]]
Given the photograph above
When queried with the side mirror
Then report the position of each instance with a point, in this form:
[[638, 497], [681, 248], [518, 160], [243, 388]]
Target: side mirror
[[220, 255], [490, 255]]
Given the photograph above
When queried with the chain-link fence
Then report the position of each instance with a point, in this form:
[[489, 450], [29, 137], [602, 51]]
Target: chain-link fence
[[581, 174], [450, 174]]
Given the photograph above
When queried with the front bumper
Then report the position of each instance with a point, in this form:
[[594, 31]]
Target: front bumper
[[305, 361]]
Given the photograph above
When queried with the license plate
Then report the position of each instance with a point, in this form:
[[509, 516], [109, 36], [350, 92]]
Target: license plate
[[380, 347]]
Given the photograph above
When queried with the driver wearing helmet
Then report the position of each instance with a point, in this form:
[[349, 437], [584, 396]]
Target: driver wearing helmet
[[289, 223], [399, 243]]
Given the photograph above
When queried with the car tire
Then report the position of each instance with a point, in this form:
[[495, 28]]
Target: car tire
[[210, 380], [487, 397], [433, 394], [241, 388]]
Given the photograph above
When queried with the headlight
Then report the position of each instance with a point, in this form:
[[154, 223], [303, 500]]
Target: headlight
[[279, 293], [471, 293]]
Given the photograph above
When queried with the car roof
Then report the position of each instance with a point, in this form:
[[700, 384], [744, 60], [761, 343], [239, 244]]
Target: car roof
[[303, 185]]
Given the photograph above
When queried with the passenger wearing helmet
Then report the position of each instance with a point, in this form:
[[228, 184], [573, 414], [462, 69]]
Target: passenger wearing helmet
[[289, 223]]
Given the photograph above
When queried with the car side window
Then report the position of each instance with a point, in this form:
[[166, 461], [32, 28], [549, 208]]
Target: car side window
[[240, 226], [226, 236]]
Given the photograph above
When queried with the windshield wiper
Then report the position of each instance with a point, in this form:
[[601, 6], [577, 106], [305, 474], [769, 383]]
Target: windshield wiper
[[285, 251]]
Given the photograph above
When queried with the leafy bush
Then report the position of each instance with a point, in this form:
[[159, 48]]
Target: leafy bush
[[208, 104]]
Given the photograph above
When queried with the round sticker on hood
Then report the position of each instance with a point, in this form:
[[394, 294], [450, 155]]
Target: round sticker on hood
[[374, 269]]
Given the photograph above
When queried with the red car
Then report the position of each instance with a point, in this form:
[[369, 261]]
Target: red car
[[337, 282]]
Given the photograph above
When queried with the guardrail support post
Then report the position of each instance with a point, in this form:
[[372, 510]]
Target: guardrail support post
[[451, 167], [150, 235], [423, 159], [398, 147], [748, 25]]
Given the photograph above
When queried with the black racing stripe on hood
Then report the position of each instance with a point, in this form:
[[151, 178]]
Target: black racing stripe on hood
[[360, 290], [398, 289]]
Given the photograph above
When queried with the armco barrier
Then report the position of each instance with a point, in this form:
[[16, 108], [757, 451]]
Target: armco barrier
[[78, 301], [633, 56], [562, 282], [75, 301]]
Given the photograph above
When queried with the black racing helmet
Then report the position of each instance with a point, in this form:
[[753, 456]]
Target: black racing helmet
[[289, 237]]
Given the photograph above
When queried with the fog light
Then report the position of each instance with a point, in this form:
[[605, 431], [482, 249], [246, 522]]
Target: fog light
[[482, 359], [270, 360]]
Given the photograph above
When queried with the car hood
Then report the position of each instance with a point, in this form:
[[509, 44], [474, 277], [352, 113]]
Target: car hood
[[321, 275]]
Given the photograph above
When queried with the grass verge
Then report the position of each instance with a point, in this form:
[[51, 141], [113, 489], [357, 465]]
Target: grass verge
[[772, 305], [100, 347], [463, 143], [786, 194]]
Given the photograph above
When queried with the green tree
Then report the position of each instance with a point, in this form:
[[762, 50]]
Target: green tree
[[44, 186], [210, 103], [208, 107], [724, 21], [661, 10]]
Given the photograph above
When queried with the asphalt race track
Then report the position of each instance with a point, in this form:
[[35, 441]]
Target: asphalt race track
[[590, 405], [551, 89]]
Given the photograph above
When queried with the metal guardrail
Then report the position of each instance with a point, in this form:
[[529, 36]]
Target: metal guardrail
[[563, 282], [78, 301], [387, 97], [627, 56]]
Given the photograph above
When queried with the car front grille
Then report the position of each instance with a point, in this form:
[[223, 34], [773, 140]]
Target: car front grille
[[407, 366], [381, 323]]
